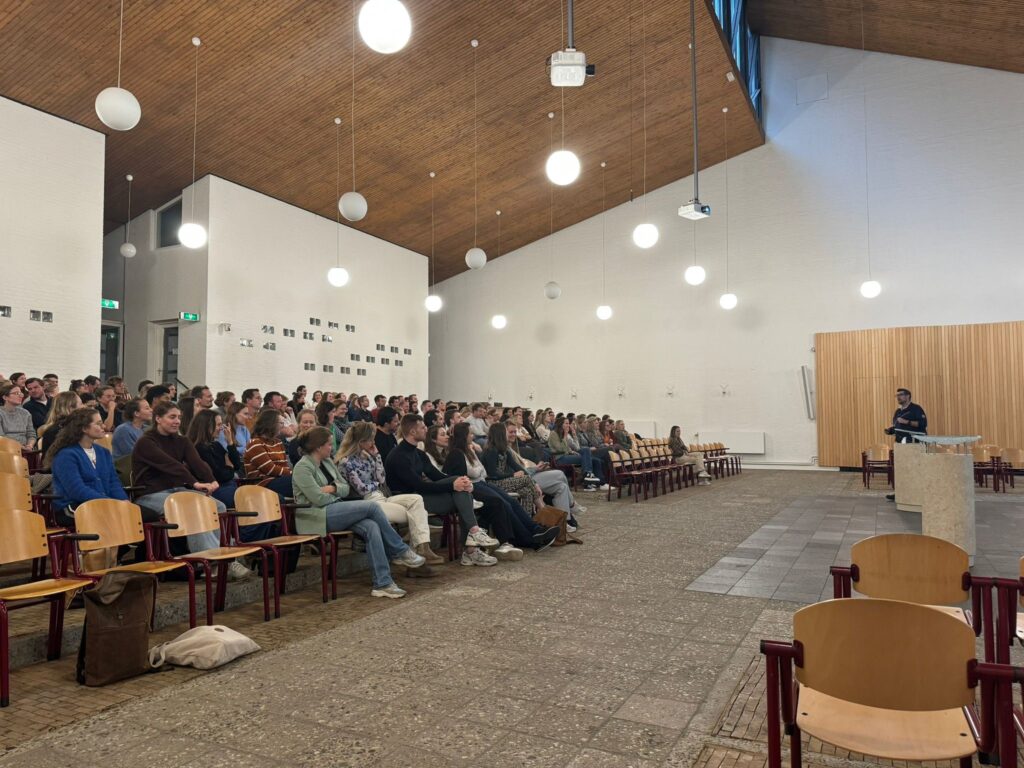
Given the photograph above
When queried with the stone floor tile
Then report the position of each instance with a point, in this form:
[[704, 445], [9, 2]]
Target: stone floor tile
[[561, 723], [596, 758], [650, 742], [668, 713], [522, 751]]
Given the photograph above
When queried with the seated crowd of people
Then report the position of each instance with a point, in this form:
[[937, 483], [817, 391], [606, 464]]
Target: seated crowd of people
[[346, 465]]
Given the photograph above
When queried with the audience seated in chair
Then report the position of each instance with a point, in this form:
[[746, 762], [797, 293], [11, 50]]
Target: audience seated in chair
[[265, 458], [37, 402], [681, 455], [136, 414], [15, 421], [566, 451]]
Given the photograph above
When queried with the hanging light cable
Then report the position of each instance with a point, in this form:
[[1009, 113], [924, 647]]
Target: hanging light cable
[[192, 234], [498, 322], [645, 235], [604, 311], [870, 288], [353, 205], [552, 289], [116, 107], [433, 302], [476, 258], [337, 275], [128, 249], [694, 209], [562, 167], [727, 300]]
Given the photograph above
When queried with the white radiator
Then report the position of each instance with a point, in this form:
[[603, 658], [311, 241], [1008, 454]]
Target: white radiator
[[735, 441]]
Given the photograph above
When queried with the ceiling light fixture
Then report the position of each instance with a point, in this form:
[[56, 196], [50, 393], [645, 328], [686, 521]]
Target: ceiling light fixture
[[433, 302], [604, 312], [337, 275], [353, 205], [116, 107], [870, 288], [385, 25], [552, 289], [128, 249], [499, 322], [645, 235], [563, 167], [192, 234], [695, 209], [476, 257], [728, 299]]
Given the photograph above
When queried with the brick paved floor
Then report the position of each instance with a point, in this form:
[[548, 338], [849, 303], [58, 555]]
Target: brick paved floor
[[588, 657]]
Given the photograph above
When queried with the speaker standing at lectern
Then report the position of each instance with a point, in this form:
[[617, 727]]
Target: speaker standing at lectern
[[908, 419]]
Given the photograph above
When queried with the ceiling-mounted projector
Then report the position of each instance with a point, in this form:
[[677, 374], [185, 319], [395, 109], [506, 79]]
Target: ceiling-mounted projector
[[695, 210], [569, 68]]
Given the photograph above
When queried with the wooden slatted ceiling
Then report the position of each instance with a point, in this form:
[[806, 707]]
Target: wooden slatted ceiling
[[966, 377], [982, 33], [274, 74]]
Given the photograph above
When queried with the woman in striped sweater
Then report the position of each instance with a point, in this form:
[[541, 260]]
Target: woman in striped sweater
[[265, 456]]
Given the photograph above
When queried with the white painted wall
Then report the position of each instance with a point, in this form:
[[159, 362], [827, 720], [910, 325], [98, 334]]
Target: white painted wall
[[266, 264], [946, 171], [51, 236]]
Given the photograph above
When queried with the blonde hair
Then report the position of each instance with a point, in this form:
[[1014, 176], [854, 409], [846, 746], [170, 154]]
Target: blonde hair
[[358, 433]]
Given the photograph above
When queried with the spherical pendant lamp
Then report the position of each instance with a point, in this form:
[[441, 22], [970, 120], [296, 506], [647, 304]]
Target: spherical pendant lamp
[[192, 235], [604, 312], [498, 322], [337, 276], [563, 167], [353, 206], [645, 235], [552, 290], [433, 303], [118, 109], [694, 275], [869, 289], [385, 25], [476, 258], [728, 301], [127, 250]]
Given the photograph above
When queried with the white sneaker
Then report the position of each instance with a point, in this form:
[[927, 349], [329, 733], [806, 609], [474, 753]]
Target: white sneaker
[[704, 474], [603, 487], [477, 557], [570, 528], [410, 559], [577, 508], [479, 538], [238, 572], [478, 504], [704, 481], [507, 552], [392, 590], [590, 477], [590, 488]]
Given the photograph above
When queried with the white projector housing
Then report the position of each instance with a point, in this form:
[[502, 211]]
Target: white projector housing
[[568, 68], [695, 210]]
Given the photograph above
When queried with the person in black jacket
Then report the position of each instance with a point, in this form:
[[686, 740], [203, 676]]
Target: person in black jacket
[[225, 464], [387, 425], [511, 524], [409, 471], [909, 418]]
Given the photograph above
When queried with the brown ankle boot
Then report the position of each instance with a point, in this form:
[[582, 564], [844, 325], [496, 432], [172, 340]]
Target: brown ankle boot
[[432, 557]]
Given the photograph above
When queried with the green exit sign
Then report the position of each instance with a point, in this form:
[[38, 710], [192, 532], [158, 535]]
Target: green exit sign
[[109, 304], [191, 317]]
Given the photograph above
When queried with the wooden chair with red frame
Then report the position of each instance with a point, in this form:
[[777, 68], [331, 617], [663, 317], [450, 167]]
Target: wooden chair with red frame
[[620, 474], [187, 513], [16, 493], [1011, 622], [23, 536], [13, 464], [661, 472], [888, 679], [32, 456], [876, 460], [117, 523], [255, 505], [1012, 464], [648, 475], [920, 569]]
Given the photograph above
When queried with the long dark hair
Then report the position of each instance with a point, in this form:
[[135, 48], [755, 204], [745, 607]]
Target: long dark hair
[[265, 424], [323, 410], [674, 432], [203, 428], [497, 437], [187, 406], [559, 423], [430, 445], [71, 432], [459, 440]]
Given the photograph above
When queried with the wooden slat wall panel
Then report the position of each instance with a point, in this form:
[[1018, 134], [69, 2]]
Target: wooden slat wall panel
[[968, 378]]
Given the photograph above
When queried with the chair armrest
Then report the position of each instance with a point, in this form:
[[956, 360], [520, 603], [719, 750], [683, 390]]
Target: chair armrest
[[47, 496], [238, 513], [302, 506], [841, 581], [163, 526], [78, 536], [133, 487]]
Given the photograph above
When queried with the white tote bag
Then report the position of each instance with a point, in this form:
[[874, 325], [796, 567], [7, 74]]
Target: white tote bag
[[202, 648]]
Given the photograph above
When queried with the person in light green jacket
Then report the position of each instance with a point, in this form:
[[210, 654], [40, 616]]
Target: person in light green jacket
[[318, 485]]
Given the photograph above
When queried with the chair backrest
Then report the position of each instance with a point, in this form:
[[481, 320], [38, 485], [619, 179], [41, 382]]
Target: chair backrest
[[256, 498], [878, 452], [13, 465], [885, 653], [981, 454], [939, 448], [107, 441], [15, 492], [1014, 456], [192, 512], [117, 522], [7, 445], [22, 536], [614, 457], [911, 567]]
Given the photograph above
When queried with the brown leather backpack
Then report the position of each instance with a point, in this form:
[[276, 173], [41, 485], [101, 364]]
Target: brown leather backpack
[[119, 613], [550, 516]]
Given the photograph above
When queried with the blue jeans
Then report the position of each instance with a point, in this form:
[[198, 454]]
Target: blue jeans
[[584, 459], [153, 511], [367, 520]]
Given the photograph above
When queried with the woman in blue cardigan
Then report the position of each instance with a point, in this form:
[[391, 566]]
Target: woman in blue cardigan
[[82, 470]]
